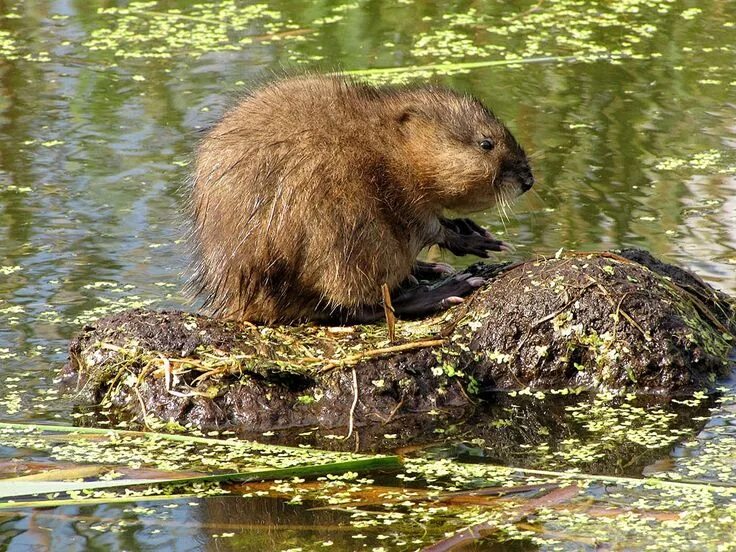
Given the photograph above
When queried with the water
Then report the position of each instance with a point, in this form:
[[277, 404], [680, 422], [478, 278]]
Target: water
[[630, 127]]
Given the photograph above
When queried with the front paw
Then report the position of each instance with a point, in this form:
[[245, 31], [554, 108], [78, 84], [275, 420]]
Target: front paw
[[464, 227], [466, 237]]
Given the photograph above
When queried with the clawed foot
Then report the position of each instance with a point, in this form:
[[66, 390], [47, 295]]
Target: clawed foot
[[431, 271], [411, 300], [422, 300], [464, 236]]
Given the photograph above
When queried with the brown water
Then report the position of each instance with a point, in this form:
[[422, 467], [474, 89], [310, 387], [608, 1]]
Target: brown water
[[627, 109]]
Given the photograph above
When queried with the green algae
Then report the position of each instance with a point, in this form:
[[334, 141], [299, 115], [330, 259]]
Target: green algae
[[561, 32], [432, 499], [711, 161], [173, 452], [144, 30], [431, 51]]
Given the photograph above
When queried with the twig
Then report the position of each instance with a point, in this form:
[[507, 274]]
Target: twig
[[351, 419], [465, 394], [388, 310], [625, 314], [167, 372], [144, 413], [393, 412], [353, 359], [617, 314]]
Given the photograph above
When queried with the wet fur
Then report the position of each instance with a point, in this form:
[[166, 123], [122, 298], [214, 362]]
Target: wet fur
[[313, 191]]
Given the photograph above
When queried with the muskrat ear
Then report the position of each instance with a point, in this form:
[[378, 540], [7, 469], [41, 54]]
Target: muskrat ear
[[405, 115]]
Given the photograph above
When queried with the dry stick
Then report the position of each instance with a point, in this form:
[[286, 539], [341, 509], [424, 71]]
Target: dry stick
[[700, 306], [388, 310], [625, 314], [111, 347], [393, 412], [462, 390], [617, 314], [351, 419], [168, 375], [353, 359], [144, 414], [167, 372]]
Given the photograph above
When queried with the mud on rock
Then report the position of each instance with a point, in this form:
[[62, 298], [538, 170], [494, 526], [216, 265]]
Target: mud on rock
[[615, 320]]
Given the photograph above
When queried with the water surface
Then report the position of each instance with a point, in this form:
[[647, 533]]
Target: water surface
[[626, 108]]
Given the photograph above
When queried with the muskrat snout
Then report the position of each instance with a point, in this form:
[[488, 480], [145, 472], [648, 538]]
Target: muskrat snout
[[526, 178], [518, 178]]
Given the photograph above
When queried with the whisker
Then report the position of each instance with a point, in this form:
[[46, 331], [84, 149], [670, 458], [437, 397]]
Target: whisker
[[511, 208], [533, 192], [500, 212], [503, 203]]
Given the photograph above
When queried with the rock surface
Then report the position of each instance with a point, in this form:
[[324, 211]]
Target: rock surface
[[622, 321]]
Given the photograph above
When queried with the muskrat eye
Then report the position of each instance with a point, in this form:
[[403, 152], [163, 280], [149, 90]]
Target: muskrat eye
[[486, 144]]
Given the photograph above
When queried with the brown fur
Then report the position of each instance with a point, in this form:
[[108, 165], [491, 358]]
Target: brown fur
[[313, 191]]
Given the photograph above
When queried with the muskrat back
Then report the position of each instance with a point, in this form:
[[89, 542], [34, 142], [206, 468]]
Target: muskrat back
[[314, 191]]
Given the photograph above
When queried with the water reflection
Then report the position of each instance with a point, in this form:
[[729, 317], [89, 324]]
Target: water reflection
[[94, 142]]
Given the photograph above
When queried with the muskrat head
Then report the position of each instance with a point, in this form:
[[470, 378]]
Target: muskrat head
[[462, 157]]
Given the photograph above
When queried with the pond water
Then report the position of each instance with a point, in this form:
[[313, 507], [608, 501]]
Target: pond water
[[627, 109]]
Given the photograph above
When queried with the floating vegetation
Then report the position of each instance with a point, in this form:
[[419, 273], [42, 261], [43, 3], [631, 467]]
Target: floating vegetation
[[429, 503], [628, 108], [7, 270], [108, 297], [146, 30], [558, 32], [242, 460], [705, 162], [8, 47], [712, 455], [610, 425], [405, 74], [110, 306], [453, 42]]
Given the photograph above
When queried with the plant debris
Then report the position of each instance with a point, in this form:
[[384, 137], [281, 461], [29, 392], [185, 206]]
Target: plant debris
[[608, 321]]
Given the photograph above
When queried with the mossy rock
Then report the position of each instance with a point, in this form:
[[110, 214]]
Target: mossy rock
[[621, 321]]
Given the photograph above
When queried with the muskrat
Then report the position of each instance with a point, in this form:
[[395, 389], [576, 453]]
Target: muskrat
[[313, 191]]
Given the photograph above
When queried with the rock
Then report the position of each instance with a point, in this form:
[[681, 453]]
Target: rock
[[621, 321]]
